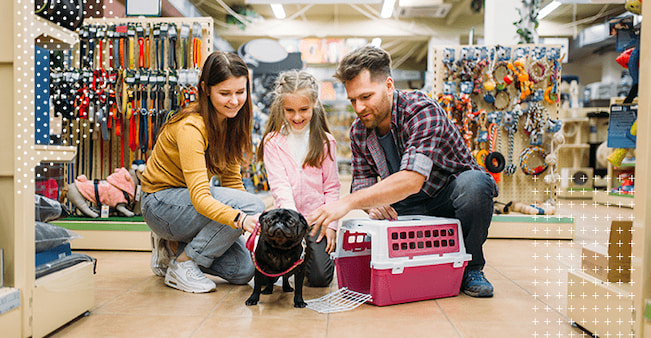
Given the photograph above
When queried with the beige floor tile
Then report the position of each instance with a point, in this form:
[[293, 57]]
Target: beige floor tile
[[418, 326], [277, 305], [123, 325], [105, 295], [399, 312], [287, 326], [545, 326], [164, 302]]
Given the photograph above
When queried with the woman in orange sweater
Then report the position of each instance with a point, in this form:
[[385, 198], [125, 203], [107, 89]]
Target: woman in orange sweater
[[210, 137]]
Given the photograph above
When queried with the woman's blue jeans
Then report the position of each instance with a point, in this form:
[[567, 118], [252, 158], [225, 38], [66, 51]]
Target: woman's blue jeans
[[218, 249], [468, 198]]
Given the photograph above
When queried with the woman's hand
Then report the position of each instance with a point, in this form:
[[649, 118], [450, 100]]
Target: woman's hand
[[331, 240], [249, 222]]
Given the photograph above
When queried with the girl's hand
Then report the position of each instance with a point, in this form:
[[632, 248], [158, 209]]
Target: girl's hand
[[331, 240]]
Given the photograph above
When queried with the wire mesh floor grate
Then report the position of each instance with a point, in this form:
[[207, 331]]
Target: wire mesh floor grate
[[338, 301]]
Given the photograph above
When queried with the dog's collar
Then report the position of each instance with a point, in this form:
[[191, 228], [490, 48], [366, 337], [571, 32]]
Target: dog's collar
[[251, 244]]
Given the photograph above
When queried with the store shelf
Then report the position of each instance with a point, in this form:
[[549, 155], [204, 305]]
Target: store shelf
[[573, 146], [55, 153], [113, 233], [614, 199], [576, 193], [531, 227], [587, 299], [62, 296], [10, 312], [52, 36]]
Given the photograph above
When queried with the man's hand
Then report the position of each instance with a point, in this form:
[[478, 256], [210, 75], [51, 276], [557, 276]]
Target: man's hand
[[331, 237], [383, 212], [326, 214]]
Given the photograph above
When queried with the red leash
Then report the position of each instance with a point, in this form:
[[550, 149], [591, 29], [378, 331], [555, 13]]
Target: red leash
[[251, 243]]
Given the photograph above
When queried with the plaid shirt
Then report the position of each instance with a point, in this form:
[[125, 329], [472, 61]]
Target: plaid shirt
[[429, 142]]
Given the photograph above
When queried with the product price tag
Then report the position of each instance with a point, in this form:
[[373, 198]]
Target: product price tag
[[105, 211]]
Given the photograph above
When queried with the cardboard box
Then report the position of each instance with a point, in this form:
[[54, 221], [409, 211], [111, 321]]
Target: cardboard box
[[610, 262]]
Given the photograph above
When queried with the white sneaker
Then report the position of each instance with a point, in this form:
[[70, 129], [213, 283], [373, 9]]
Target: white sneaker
[[187, 277], [160, 255]]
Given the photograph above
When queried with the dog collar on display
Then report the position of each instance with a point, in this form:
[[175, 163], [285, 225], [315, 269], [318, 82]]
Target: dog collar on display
[[251, 244]]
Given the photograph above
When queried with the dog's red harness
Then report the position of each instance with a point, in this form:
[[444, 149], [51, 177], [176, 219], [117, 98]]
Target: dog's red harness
[[251, 244]]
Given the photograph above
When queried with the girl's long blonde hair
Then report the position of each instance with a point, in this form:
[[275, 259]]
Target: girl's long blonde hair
[[292, 82]]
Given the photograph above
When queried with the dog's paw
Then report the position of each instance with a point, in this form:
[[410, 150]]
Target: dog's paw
[[300, 304], [268, 290], [288, 289], [251, 301]]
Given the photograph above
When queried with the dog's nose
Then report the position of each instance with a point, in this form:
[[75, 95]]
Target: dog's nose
[[281, 229]]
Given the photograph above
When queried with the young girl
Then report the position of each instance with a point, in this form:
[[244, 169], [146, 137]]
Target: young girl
[[210, 137], [299, 156]]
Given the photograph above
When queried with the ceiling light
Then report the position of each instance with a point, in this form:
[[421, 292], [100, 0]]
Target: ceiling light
[[548, 9], [387, 8], [278, 10]]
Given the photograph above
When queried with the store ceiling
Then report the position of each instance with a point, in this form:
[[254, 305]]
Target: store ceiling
[[405, 35]]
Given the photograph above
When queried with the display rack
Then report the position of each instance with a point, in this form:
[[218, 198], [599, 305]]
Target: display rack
[[102, 156], [609, 197], [613, 196], [51, 301], [525, 188]]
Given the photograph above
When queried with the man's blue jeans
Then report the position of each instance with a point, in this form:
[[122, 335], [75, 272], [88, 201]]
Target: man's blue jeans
[[468, 198], [218, 249]]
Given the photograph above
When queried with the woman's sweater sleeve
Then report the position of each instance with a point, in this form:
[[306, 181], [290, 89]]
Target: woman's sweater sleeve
[[192, 145], [331, 183], [279, 184]]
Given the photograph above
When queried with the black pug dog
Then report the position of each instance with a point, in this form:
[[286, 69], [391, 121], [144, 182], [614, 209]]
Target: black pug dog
[[283, 243]]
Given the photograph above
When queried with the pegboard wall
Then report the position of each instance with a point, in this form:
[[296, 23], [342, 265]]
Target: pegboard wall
[[505, 100], [123, 79]]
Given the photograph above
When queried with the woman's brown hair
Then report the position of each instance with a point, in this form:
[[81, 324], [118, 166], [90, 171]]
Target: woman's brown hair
[[229, 143]]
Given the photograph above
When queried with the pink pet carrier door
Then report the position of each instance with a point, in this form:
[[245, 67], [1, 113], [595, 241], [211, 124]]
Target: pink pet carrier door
[[401, 261]]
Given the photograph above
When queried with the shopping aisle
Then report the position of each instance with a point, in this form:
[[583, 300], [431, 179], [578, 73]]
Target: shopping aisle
[[530, 298]]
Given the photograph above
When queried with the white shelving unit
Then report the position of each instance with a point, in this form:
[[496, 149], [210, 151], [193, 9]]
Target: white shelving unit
[[51, 301]]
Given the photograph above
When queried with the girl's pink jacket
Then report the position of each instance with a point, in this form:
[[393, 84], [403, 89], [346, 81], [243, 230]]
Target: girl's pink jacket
[[295, 187]]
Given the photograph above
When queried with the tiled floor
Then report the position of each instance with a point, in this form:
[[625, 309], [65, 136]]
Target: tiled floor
[[530, 298]]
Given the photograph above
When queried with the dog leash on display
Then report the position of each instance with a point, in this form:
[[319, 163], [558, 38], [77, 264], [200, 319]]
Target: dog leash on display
[[147, 46], [251, 244], [160, 105], [144, 112], [196, 44], [172, 35], [172, 81], [110, 40], [131, 35], [184, 36], [129, 111], [140, 35], [122, 45], [83, 37], [157, 48]]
